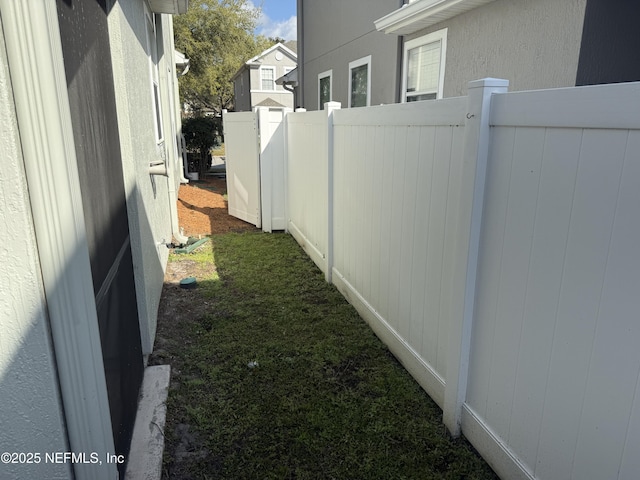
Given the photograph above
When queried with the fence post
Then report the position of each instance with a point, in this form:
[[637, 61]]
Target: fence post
[[265, 169], [330, 107], [474, 169], [285, 148]]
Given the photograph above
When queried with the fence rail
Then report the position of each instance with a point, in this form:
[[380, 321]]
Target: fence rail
[[491, 242]]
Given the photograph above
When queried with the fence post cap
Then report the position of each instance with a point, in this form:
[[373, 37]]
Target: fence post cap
[[488, 82]]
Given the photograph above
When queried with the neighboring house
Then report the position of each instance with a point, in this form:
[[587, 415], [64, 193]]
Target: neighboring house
[[254, 84], [89, 122], [368, 52]]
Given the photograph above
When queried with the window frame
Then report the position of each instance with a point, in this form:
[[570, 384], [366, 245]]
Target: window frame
[[439, 35], [353, 65], [154, 74], [262, 69], [322, 76]]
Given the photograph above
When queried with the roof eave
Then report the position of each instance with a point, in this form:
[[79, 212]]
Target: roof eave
[[422, 14], [173, 7]]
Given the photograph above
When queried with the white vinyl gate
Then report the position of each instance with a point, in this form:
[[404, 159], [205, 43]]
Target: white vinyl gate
[[243, 166], [256, 169]]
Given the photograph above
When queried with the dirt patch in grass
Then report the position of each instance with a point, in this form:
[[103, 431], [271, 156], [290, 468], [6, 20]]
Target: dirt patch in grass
[[203, 210]]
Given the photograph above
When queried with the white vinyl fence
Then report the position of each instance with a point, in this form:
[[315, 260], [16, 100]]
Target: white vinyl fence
[[255, 151], [243, 166], [491, 242], [308, 183]]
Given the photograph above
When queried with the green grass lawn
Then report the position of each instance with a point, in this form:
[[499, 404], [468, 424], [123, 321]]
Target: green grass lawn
[[279, 378]]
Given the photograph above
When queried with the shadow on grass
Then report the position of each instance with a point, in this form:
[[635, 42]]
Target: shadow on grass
[[276, 376]]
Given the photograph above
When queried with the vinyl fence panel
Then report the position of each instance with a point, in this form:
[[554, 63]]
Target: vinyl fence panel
[[511, 293], [243, 166], [555, 361], [396, 186], [307, 183], [272, 168]]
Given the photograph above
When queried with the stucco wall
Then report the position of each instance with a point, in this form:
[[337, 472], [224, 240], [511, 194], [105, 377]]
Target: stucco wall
[[280, 95], [338, 32], [147, 196], [284, 98], [31, 413], [534, 45], [242, 92]]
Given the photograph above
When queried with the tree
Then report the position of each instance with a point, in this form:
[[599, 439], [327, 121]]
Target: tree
[[201, 135], [217, 37]]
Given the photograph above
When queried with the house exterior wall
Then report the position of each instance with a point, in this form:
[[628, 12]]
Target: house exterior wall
[[253, 94], [535, 45], [609, 27], [31, 414], [285, 98], [242, 92], [148, 197], [335, 33]]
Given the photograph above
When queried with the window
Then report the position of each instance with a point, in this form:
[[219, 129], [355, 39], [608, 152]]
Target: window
[[268, 78], [325, 85], [424, 60], [359, 82], [152, 53]]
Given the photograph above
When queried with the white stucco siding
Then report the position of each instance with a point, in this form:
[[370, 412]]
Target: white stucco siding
[[147, 197], [535, 45], [31, 414]]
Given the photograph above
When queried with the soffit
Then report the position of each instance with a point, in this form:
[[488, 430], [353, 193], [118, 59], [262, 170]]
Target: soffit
[[174, 7], [421, 14]]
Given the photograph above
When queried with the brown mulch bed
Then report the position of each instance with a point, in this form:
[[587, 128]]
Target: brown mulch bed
[[202, 209]]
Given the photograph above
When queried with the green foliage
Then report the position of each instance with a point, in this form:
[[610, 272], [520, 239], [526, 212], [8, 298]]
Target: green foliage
[[201, 135], [217, 37]]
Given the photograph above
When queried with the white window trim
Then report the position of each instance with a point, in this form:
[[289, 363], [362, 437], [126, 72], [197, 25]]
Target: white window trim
[[328, 73], [261, 69], [440, 35], [154, 74], [355, 64]]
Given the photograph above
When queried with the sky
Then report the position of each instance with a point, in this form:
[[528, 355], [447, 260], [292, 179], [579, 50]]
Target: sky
[[278, 18]]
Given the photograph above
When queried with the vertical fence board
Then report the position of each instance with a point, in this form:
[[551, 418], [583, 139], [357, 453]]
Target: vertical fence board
[[406, 252], [630, 462], [615, 358], [622, 298], [380, 176], [449, 253], [385, 224], [589, 232], [557, 177], [437, 207], [520, 217], [370, 167], [419, 315]]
